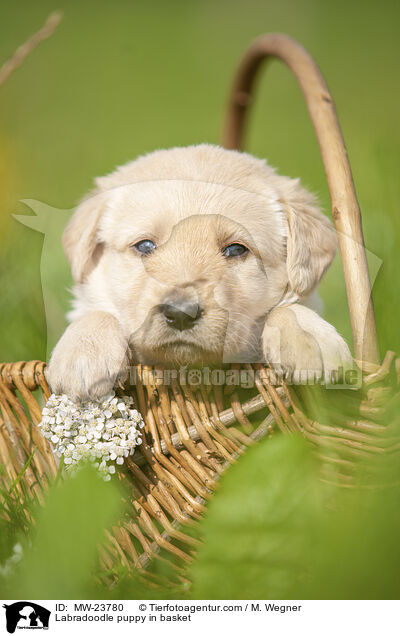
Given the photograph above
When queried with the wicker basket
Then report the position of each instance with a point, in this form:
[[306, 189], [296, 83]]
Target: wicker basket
[[192, 433]]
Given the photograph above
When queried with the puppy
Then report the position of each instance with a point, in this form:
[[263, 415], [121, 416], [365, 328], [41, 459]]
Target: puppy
[[196, 255]]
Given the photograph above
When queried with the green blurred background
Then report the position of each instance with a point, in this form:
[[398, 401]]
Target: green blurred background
[[123, 78]]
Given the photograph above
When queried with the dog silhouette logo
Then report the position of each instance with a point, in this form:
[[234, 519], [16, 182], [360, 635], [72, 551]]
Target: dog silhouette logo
[[26, 615]]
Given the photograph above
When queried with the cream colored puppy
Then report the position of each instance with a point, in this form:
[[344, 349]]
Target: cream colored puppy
[[195, 255]]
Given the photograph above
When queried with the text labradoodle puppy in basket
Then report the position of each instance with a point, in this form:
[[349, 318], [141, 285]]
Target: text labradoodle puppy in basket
[[195, 255]]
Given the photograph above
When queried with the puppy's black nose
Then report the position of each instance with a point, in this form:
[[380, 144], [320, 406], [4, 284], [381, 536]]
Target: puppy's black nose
[[181, 314]]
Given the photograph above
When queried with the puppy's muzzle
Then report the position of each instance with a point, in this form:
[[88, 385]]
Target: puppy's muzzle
[[181, 313]]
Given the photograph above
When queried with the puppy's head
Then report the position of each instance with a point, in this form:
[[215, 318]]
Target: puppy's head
[[190, 248]]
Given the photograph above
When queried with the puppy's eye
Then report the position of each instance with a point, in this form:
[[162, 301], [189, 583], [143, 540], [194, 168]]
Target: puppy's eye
[[144, 247], [236, 249]]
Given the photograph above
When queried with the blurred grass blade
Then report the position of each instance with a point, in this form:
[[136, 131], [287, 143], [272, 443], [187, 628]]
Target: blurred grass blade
[[62, 558]]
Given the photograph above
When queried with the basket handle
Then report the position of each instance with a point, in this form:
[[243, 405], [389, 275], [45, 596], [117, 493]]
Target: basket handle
[[345, 208]]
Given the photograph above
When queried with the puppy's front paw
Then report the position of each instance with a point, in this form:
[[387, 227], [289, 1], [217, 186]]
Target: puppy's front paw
[[90, 358], [301, 346]]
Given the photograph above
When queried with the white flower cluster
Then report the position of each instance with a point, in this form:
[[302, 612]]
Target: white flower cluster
[[99, 432]]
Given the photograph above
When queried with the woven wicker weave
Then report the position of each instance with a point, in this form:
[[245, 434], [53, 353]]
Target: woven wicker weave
[[191, 436], [193, 433]]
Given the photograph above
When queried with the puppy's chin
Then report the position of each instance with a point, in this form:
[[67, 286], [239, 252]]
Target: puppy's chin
[[214, 345], [155, 343], [176, 354]]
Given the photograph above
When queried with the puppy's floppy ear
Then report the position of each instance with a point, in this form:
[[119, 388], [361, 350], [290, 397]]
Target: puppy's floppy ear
[[80, 240], [311, 240]]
